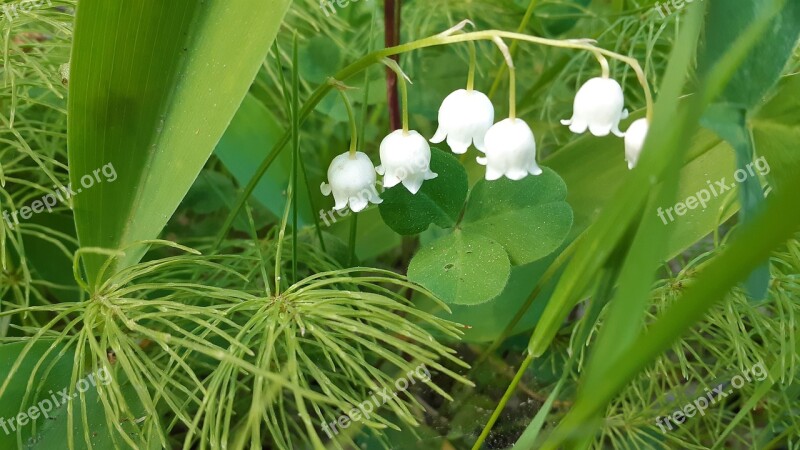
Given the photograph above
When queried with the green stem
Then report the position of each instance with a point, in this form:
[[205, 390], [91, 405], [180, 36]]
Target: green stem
[[353, 127], [506, 397], [295, 152], [433, 41], [606, 70], [473, 62], [352, 244], [403, 82], [512, 92]]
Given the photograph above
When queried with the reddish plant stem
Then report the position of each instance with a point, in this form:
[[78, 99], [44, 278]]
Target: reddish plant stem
[[391, 17]]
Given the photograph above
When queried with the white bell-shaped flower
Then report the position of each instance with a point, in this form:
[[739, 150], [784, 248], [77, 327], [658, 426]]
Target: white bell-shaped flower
[[464, 118], [405, 158], [510, 151], [634, 141], [599, 106], [352, 182]]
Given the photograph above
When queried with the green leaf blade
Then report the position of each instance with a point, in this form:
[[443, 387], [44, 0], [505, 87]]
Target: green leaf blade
[[153, 86]]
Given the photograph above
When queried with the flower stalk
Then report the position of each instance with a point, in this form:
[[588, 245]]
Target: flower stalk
[[473, 62], [402, 81], [351, 117], [512, 78]]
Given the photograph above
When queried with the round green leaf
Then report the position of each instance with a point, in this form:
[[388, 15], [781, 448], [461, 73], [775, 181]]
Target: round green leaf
[[439, 201], [462, 269], [530, 218]]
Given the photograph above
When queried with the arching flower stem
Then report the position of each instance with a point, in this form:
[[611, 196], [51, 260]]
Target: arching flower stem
[[351, 117], [473, 62], [512, 77], [402, 81], [603, 65]]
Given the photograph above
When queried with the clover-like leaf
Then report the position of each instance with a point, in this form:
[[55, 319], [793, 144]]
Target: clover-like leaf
[[461, 268], [439, 201], [530, 218]]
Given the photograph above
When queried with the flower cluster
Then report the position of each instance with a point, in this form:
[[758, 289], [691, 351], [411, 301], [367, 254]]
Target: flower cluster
[[466, 117]]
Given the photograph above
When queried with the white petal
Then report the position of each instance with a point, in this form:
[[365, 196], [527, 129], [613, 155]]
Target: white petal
[[480, 141], [492, 173], [340, 201], [634, 141], [600, 129], [458, 143], [430, 175], [413, 183], [325, 188], [358, 203], [390, 180], [578, 126], [439, 136]]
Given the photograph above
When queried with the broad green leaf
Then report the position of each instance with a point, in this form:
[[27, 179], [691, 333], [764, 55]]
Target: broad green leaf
[[438, 202], [529, 218], [776, 132], [253, 129], [153, 85], [725, 22], [462, 268], [319, 58], [730, 124], [50, 261], [90, 415], [33, 396], [14, 399]]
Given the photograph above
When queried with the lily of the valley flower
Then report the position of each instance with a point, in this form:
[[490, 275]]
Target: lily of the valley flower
[[405, 158], [352, 182], [634, 141], [510, 151], [464, 118], [599, 106]]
